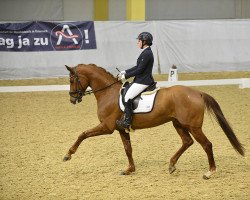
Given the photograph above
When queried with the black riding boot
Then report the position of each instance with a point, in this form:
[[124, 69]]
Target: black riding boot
[[127, 119]]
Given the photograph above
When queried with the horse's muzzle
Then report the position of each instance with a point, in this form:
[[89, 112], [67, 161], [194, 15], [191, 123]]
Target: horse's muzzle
[[74, 100]]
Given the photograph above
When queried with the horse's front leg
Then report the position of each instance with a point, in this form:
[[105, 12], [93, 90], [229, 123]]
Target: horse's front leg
[[101, 129], [128, 149]]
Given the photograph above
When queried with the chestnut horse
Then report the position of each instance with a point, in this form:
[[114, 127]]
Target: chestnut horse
[[182, 105]]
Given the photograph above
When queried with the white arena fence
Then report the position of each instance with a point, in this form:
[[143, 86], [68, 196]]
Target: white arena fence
[[242, 82]]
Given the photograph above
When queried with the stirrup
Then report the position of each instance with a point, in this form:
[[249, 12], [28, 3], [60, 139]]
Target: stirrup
[[122, 124]]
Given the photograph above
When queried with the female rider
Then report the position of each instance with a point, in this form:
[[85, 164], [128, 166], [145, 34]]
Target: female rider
[[142, 74]]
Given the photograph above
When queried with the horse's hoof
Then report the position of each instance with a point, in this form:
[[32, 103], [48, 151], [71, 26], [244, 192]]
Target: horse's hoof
[[126, 172], [208, 175], [205, 177], [66, 158], [123, 173], [171, 169]]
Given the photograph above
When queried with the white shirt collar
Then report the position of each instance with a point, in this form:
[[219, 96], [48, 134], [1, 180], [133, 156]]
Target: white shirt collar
[[145, 48]]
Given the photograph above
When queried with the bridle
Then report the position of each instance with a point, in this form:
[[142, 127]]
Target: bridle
[[79, 88]]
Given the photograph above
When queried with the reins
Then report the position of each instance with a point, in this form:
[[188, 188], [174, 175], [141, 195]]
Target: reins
[[98, 90]]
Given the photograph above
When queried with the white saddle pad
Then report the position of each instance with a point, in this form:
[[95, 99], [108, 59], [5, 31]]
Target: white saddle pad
[[146, 102]]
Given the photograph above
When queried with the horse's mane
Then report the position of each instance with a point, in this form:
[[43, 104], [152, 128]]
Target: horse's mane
[[101, 69]]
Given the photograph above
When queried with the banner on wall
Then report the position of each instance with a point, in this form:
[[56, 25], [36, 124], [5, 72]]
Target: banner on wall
[[47, 36]]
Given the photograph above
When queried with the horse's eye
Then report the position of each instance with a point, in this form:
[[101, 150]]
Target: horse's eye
[[71, 79]]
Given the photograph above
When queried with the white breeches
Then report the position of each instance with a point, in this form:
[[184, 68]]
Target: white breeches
[[134, 90]]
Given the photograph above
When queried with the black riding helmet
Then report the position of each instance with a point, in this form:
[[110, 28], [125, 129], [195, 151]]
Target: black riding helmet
[[147, 37]]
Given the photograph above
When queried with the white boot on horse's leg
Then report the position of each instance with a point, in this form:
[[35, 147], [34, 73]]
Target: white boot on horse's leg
[[208, 174]]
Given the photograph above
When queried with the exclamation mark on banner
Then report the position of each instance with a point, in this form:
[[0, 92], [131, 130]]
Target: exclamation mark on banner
[[86, 33]]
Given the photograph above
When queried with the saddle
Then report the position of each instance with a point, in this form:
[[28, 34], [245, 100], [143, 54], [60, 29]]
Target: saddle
[[143, 102]]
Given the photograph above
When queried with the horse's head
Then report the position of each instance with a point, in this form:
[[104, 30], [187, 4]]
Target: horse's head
[[78, 85]]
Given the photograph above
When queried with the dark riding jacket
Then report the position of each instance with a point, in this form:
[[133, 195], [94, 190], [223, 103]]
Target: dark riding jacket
[[143, 69]]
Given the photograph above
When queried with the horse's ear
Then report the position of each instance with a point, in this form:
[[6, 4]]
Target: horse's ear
[[69, 69]]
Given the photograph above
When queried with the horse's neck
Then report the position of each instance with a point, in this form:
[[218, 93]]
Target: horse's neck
[[99, 80]]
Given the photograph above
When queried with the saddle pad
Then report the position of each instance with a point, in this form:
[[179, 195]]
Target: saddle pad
[[145, 105]]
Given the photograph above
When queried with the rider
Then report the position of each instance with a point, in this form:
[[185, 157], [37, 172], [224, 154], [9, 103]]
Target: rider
[[142, 74]]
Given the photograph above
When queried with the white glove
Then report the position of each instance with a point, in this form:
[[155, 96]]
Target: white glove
[[121, 76], [123, 72]]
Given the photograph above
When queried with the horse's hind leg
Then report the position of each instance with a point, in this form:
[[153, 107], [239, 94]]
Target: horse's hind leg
[[207, 146], [128, 149], [187, 141]]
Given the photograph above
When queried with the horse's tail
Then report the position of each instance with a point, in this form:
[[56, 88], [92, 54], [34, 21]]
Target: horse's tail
[[213, 107]]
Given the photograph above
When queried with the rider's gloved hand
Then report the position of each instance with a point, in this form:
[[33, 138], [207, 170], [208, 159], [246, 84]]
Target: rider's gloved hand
[[121, 76], [123, 72]]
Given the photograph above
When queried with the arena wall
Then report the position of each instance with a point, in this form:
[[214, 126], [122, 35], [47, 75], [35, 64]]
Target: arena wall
[[192, 45], [67, 10]]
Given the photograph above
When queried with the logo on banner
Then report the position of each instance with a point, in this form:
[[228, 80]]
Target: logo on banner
[[66, 36]]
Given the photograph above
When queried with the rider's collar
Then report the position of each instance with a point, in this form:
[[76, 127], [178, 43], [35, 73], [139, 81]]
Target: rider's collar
[[145, 48]]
